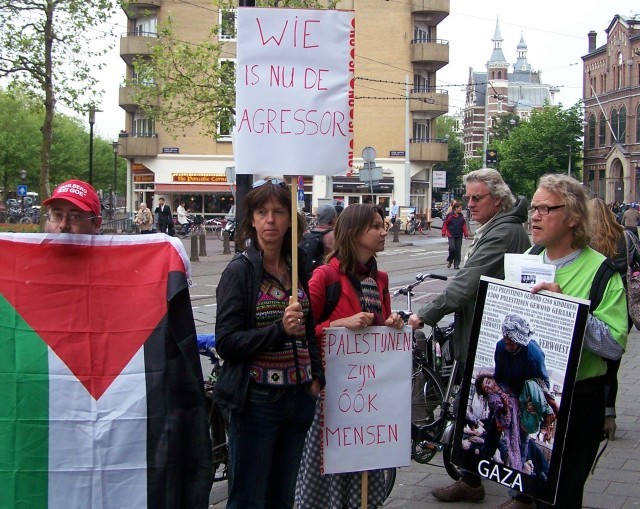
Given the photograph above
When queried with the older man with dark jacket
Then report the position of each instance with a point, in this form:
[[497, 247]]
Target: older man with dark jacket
[[501, 216]]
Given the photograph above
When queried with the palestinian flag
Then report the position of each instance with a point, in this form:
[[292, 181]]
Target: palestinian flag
[[101, 395]]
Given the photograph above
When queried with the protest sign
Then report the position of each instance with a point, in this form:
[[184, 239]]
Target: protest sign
[[367, 399], [525, 350], [294, 91]]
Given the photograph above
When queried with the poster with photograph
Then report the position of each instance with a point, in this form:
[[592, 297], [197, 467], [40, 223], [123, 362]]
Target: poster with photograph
[[524, 353]]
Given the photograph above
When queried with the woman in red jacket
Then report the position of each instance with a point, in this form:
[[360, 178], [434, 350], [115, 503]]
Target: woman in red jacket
[[455, 227], [364, 301]]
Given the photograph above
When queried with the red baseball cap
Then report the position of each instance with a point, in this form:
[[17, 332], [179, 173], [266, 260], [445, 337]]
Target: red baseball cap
[[81, 194]]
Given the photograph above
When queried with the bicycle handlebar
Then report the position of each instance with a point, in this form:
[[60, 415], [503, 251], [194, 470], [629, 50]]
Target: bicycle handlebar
[[421, 277]]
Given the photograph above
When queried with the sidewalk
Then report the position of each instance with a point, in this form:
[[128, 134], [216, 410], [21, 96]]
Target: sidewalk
[[614, 485]]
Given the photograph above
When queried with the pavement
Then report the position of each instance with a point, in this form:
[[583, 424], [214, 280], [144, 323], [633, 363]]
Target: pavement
[[615, 483]]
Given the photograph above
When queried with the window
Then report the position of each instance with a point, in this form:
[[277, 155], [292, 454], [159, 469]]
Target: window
[[591, 137], [143, 127], [420, 132], [620, 71], [622, 125], [146, 26], [226, 119], [614, 126], [228, 21], [602, 131]]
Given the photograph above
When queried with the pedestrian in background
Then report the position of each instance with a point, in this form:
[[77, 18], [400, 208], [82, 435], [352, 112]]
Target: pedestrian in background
[[164, 217], [630, 219], [364, 300], [183, 218], [144, 219], [454, 228], [272, 371]]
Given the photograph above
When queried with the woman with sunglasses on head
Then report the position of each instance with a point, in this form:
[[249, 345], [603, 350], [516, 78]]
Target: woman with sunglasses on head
[[272, 372], [364, 300]]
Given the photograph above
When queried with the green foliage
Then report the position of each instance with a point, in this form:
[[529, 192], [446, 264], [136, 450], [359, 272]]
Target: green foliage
[[50, 50], [21, 141], [182, 84], [542, 145]]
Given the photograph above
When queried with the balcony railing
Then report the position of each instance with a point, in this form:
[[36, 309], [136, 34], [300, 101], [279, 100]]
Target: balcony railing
[[136, 43], [138, 145], [431, 54], [430, 150]]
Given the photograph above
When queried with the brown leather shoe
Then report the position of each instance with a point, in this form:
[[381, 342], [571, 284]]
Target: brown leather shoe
[[514, 503], [459, 491]]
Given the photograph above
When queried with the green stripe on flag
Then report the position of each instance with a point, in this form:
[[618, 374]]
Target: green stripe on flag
[[24, 412]]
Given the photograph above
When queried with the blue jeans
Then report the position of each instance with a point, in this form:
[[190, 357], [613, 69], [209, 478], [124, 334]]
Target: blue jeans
[[265, 446]]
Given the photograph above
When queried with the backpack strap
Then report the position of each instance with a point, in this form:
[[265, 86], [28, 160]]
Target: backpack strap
[[333, 290], [536, 249], [600, 281]]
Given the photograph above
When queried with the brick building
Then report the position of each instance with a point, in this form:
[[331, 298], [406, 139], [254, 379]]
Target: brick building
[[611, 95]]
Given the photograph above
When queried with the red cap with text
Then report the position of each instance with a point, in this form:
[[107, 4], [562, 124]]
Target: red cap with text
[[81, 194]]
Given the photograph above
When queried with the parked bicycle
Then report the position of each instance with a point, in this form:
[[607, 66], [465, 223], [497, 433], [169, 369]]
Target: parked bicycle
[[218, 416], [434, 385]]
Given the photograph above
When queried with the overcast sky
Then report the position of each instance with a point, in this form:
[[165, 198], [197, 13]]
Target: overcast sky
[[554, 31]]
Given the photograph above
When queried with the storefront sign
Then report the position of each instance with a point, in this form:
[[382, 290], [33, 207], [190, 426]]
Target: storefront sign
[[198, 177], [439, 178], [294, 91], [144, 178]]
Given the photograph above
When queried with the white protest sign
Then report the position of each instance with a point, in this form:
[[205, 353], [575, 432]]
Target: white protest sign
[[367, 399], [294, 91]]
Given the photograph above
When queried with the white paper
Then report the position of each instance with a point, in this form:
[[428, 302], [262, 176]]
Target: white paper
[[527, 270]]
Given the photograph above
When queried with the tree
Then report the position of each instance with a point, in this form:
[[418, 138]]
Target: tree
[[21, 119], [183, 83], [541, 145], [49, 49]]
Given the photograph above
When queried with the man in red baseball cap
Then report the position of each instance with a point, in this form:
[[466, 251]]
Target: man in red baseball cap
[[74, 207]]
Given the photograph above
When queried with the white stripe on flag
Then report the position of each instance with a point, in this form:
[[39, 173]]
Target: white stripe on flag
[[98, 449]]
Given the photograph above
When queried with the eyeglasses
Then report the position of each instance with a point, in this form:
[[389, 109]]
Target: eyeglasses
[[272, 181], [74, 219], [543, 210], [474, 197]]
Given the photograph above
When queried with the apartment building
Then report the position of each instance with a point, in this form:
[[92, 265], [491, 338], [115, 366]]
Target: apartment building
[[499, 90], [398, 53], [611, 95]]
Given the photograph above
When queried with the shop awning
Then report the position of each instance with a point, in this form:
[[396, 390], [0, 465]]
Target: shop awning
[[192, 188]]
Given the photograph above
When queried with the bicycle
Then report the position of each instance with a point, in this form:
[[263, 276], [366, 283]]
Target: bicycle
[[217, 416], [432, 413], [423, 226]]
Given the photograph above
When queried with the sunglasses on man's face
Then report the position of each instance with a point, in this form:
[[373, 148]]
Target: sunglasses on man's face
[[272, 181]]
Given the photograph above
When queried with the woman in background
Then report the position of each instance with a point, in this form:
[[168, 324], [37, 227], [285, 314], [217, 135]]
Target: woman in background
[[364, 301], [454, 228], [610, 238]]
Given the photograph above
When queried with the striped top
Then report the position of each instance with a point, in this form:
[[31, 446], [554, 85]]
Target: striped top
[[288, 363]]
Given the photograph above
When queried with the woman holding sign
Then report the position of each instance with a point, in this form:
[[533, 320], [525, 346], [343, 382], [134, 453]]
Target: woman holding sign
[[272, 371], [363, 300]]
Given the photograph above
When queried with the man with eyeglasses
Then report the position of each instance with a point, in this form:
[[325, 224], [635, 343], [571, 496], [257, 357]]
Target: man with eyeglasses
[[501, 217], [74, 207], [559, 223]]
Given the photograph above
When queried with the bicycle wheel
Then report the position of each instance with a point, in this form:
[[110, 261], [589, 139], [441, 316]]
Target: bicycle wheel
[[411, 228], [426, 227], [389, 481], [427, 395], [218, 429], [447, 438]]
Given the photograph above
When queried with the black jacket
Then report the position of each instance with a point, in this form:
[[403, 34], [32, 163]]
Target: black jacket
[[238, 339]]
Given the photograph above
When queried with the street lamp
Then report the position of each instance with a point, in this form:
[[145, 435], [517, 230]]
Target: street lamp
[[92, 120], [23, 178], [115, 145]]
